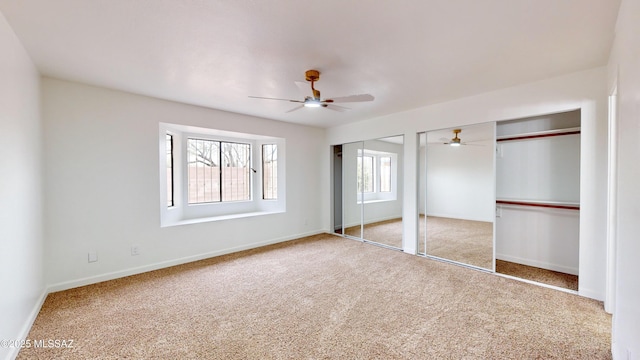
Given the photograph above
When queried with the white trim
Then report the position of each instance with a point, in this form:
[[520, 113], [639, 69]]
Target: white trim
[[165, 264], [26, 328], [612, 203], [590, 293], [539, 284], [221, 218], [457, 217]]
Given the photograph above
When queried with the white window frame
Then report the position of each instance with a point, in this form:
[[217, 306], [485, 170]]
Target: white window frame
[[376, 195], [184, 213]]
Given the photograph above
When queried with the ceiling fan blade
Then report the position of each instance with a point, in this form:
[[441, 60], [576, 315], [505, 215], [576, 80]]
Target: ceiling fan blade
[[351, 98], [268, 98], [469, 144], [305, 89], [337, 107], [295, 108]]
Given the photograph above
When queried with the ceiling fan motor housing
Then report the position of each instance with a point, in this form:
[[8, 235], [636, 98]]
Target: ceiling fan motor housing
[[312, 75]]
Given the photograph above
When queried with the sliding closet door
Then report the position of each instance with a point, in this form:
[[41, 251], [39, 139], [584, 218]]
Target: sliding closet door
[[351, 196], [459, 179], [381, 186]]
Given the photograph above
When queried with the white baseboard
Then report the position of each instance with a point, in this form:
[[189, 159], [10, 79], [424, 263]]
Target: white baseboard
[[386, 218], [164, 264], [24, 332], [591, 294], [372, 221], [538, 264], [449, 216]]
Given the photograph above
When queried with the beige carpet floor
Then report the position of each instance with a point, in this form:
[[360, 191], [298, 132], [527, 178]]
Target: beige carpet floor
[[544, 276], [465, 241], [321, 297], [388, 232]]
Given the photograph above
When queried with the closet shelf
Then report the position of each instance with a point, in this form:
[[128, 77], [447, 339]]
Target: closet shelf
[[536, 203], [539, 134]]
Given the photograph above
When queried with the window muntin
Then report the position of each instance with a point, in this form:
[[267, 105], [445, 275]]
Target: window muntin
[[269, 171], [218, 171], [170, 188], [385, 173]]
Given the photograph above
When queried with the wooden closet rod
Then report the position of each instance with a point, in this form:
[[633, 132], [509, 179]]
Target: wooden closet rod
[[523, 137], [544, 205]]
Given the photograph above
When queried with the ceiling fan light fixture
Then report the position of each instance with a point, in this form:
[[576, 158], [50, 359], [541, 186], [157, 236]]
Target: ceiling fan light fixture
[[312, 103], [456, 143]]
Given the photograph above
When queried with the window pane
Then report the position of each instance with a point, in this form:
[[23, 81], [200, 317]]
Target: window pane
[[270, 172], [203, 162], [365, 173], [236, 161], [169, 146], [385, 174]]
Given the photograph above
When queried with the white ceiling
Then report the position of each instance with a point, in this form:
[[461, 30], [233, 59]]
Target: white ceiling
[[407, 53]]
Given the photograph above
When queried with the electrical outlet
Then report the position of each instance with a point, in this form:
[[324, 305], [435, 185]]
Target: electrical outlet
[[135, 250], [93, 256], [498, 211]]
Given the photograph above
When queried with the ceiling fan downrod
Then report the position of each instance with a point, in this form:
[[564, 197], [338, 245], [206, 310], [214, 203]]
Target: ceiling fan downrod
[[313, 76]]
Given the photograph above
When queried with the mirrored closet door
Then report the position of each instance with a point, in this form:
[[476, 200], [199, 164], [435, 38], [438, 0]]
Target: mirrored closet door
[[457, 194], [370, 181], [351, 205]]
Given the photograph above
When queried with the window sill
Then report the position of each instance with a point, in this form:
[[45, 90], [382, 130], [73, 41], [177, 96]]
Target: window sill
[[375, 201], [218, 218]]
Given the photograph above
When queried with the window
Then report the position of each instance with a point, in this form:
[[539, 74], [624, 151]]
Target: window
[[376, 175], [269, 171], [211, 175], [218, 171], [169, 147]]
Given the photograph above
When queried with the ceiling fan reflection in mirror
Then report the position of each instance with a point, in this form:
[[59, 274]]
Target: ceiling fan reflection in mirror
[[313, 98], [456, 141]]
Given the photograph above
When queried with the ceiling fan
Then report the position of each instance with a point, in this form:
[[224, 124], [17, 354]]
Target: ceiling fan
[[456, 141], [313, 98]]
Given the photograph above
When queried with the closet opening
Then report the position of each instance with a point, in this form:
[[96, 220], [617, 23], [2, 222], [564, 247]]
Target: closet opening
[[538, 199]]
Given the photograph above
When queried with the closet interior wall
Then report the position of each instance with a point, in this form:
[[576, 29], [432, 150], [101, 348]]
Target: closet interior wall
[[538, 191]]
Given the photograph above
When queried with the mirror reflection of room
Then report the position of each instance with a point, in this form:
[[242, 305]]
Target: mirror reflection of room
[[457, 205], [372, 190]]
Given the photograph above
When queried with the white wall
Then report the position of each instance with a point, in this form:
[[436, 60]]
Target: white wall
[[101, 155], [22, 287], [543, 169], [541, 237], [461, 181], [582, 90], [623, 66]]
